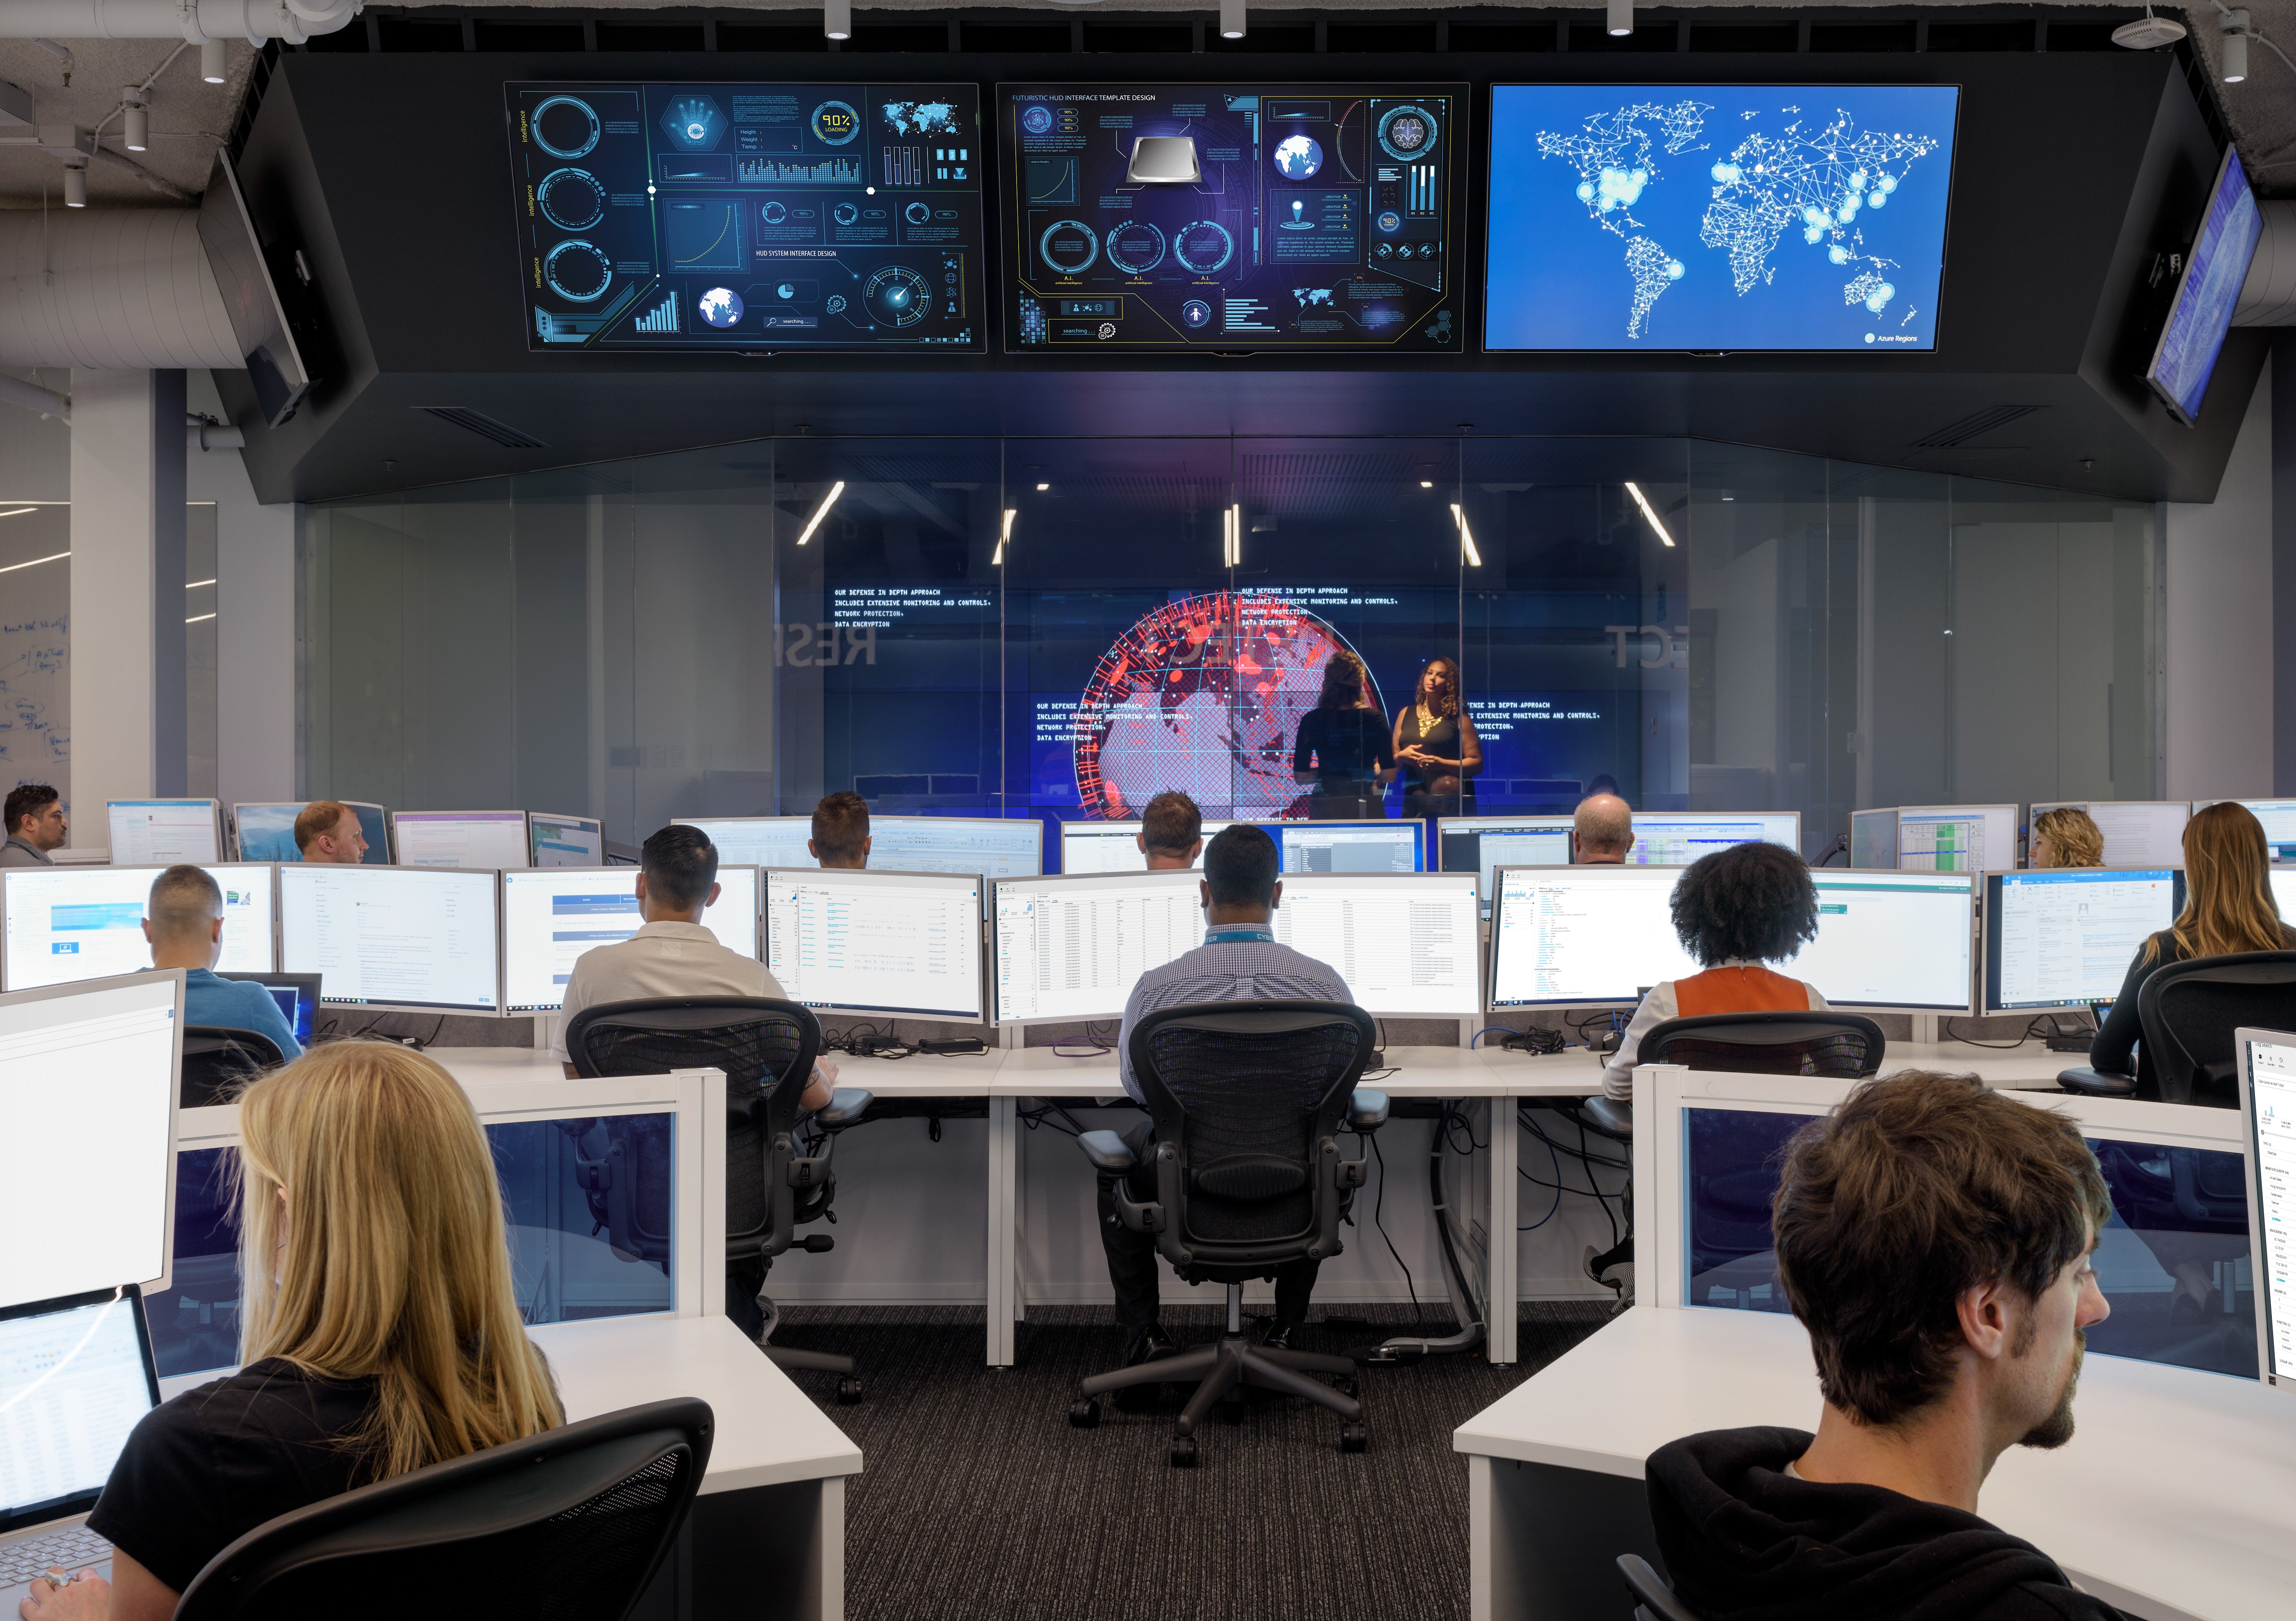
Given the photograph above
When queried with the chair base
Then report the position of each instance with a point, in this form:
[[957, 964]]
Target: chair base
[[849, 1387], [1228, 1365]]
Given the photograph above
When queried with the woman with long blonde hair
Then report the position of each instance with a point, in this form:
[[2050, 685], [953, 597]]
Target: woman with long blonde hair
[[1435, 743], [2067, 837], [378, 1329]]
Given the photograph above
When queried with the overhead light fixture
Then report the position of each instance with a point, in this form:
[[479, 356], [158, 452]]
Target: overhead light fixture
[[1621, 17], [75, 184], [1427, 483], [829, 501], [2232, 35], [197, 618], [1042, 488], [34, 563], [18, 512], [1232, 537], [1005, 535], [837, 18], [1635, 490], [193, 585], [1466, 537], [136, 121], [215, 63], [2148, 32], [1231, 19]]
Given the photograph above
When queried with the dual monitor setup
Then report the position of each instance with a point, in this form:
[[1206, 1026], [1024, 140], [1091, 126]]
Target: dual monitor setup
[[1990, 838], [165, 831]]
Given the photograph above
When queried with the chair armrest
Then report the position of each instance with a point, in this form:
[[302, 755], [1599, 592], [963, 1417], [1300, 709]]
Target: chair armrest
[[1367, 1109], [2096, 1083], [1610, 1117], [846, 1105], [1106, 1150]]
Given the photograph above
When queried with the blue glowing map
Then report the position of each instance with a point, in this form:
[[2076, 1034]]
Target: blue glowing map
[[1712, 217]]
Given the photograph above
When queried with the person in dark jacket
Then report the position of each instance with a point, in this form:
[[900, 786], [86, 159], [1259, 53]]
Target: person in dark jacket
[[1934, 1238]]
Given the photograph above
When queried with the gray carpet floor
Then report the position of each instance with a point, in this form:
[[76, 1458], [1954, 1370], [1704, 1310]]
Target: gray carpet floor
[[978, 1499]]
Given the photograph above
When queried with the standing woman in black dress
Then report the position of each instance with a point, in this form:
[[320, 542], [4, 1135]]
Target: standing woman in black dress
[[1341, 749], [1435, 743]]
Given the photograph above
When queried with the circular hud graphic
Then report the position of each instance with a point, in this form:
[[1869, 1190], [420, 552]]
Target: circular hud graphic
[[1203, 695]]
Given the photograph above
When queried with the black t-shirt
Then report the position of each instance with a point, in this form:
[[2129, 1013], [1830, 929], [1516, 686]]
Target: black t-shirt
[[201, 1471], [1349, 746]]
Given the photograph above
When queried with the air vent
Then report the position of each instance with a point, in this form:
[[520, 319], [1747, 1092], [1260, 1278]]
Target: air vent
[[486, 427], [1969, 427]]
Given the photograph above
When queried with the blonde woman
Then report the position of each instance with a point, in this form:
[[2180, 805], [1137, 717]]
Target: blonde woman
[[378, 1329], [1435, 742], [2067, 837]]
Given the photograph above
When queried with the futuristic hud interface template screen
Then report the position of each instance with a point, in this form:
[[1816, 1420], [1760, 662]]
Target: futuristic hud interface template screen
[[1232, 217], [749, 216]]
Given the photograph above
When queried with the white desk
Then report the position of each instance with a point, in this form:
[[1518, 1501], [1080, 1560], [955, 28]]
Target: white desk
[[2175, 1500]]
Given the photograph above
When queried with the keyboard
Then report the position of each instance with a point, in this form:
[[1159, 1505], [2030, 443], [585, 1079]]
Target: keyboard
[[71, 1548]]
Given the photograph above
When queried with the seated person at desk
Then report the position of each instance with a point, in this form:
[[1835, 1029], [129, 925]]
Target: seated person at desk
[[1172, 832], [183, 921], [378, 1327], [1734, 910], [841, 832], [1602, 831], [329, 832], [1238, 962], [1347, 741], [1935, 1240], [36, 824], [2066, 836]]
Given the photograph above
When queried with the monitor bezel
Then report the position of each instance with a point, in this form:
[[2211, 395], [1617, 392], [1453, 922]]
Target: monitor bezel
[[1962, 1010], [525, 837], [1677, 818], [25, 1516], [454, 1010], [981, 967], [2016, 828], [1174, 876], [2252, 1162], [1990, 923], [214, 817], [1596, 871], [502, 929], [10, 874], [1475, 990]]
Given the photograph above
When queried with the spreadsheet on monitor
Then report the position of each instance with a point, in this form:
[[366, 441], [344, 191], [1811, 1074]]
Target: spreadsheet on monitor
[[1956, 838], [164, 831], [1407, 944], [900, 945], [1381, 846], [1071, 948], [2269, 1101], [1481, 844], [552, 915], [2061, 937], [64, 923], [757, 840], [1665, 838], [1113, 846], [1583, 936]]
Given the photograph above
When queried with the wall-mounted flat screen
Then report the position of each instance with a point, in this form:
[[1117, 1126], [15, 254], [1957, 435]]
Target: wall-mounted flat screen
[[2201, 314], [251, 279], [1717, 217], [748, 217], [1236, 215]]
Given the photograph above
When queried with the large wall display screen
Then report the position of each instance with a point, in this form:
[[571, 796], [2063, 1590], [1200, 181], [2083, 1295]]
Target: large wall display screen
[[1717, 217], [749, 216], [1232, 217]]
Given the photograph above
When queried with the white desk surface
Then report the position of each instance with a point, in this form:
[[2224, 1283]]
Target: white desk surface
[[2176, 1499], [966, 1075], [1421, 1072], [768, 1431]]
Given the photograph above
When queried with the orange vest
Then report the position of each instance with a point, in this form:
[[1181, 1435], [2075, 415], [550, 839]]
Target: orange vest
[[1739, 990]]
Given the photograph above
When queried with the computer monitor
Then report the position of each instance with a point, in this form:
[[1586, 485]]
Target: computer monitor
[[76, 1378], [2138, 832], [550, 915], [1377, 845], [297, 994], [1956, 838], [1480, 844], [757, 840], [166, 831], [470, 840], [1676, 839], [1407, 944], [2267, 1131], [1874, 838], [899, 945], [423, 940], [2065, 937], [565, 840], [988, 847], [1891, 942], [2278, 817], [61, 924], [1113, 846], [88, 1075], [266, 833], [1071, 948], [1582, 936]]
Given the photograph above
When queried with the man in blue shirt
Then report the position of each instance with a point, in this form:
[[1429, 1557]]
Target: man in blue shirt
[[1239, 962], [183, 922]]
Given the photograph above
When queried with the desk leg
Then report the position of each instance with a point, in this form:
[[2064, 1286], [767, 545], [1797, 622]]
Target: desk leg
[[1004, 1193], [824, 1580], [1503, 1282]]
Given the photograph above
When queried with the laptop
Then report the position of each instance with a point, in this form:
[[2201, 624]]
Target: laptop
[[297, 996], [76, 1376]]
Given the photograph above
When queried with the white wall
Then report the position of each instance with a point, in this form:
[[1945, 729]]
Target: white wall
[[2219, 635], [255, 617]]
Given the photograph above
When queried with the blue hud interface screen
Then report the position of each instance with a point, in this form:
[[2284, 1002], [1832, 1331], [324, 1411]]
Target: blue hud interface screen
[[1232, 217], [749, 216], [1717, 217]]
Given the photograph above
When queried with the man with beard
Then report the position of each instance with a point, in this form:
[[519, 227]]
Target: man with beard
[[1935, 1240]]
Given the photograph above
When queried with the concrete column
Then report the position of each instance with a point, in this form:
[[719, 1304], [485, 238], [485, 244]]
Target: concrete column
[[128, 704], [255, 616]]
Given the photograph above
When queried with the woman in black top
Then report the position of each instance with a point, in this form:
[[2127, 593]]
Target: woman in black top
[[377, 1322], [1436, 744], [1345, 738]]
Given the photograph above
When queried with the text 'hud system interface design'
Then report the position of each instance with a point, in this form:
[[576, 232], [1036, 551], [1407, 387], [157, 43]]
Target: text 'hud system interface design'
[[749, 216], [1232, 217]]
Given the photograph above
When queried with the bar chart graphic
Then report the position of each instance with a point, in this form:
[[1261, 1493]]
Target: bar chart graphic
[[905, 165], [800, 171], [662, 318]]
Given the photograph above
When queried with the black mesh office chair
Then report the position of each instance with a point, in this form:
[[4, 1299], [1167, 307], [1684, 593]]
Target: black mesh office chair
[[570, 1524], [219, 1060], [1653, 1600], [2188, 1012], [1248, 1099], [766, 1049]]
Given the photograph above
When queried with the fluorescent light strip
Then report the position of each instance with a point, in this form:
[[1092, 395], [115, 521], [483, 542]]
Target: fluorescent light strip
[[193, 585], [1011, 512], [1466, 537], [36, 561], [18, 512], [196, 618], [1634, 491], [1232, 537], [829, 501]]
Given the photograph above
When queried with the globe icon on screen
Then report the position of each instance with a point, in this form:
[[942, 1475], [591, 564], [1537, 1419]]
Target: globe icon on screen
[[720, 307], [1299, 157]]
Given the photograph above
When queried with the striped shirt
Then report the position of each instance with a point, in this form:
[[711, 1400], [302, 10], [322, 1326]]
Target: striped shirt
[[1246, 965]]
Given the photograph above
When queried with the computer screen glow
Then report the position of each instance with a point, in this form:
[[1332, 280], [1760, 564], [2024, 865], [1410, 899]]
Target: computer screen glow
[[163, 831], [1113, 846], [471, 840], [1676, 839], [1895, 941], [65, 924], [1480, 844], [905, 944], [2060, 937], [394, 936], [2278, 817], [2271, 1106], [1956, 838], [72, 1387], [1583, 936], [1407, 944], [1071, 948], [984, 846], [2201, 314], [566, 841], [1350, 846], [551, 916]]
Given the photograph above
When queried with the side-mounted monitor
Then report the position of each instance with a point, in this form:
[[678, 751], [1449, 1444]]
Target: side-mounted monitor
[[273, 330]]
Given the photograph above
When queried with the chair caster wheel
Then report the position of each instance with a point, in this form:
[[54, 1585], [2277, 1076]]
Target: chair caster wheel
[[1084, 1415], [1183, 1452], [1354, 1438], [848, 1390]]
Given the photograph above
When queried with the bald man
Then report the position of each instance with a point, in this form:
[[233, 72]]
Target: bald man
[[1602, 831]]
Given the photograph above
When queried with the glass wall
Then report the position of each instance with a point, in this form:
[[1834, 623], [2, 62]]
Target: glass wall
[[1062, 627]]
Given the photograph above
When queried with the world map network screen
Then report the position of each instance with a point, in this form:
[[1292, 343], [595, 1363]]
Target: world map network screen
[[748, 217], [1717, 217], [1232, 217]]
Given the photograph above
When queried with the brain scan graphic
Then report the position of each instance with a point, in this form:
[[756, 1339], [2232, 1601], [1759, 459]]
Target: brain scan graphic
[[1204, 695]]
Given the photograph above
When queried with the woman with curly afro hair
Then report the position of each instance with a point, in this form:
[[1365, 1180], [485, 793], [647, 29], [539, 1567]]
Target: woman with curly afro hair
[[1734, 910]]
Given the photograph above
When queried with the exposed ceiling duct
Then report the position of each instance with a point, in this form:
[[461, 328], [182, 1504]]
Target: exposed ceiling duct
[[113, 288], [197, 21]]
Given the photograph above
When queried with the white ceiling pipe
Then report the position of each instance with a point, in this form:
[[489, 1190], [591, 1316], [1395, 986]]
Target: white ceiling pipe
[[195, 21], [32, 397], [115, 288]]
